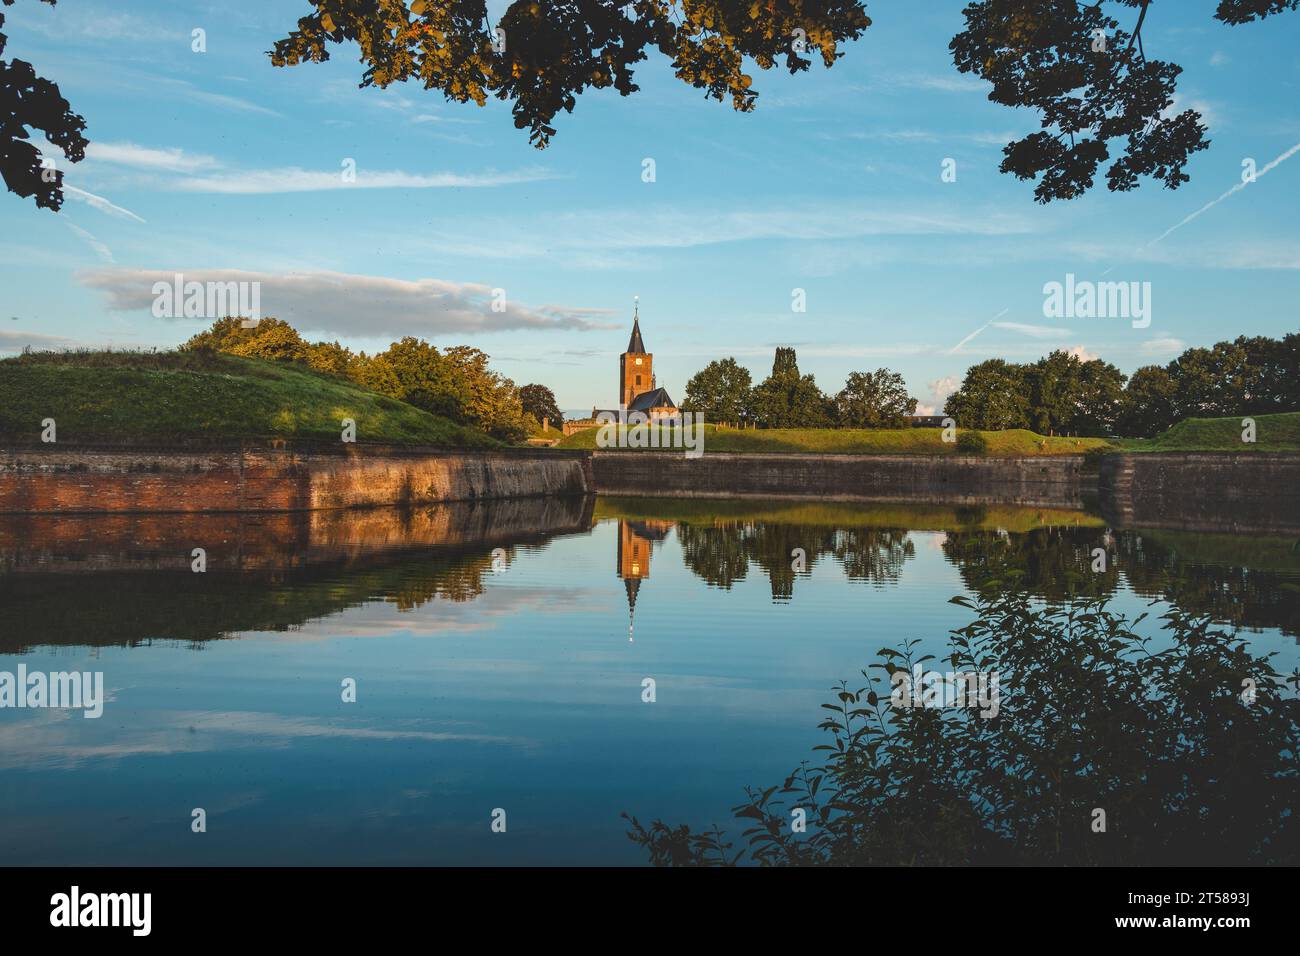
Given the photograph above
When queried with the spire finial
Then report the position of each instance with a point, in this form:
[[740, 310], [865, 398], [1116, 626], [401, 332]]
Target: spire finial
[[636, 307]]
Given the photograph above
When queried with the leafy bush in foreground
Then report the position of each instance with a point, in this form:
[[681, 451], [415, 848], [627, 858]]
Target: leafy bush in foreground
[[1091, 717]]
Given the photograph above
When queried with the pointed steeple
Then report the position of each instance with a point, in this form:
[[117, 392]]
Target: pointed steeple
[[633, 585], [635, 346]]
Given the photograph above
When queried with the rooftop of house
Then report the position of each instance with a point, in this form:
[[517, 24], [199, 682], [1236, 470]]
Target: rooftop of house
[[657, 398]]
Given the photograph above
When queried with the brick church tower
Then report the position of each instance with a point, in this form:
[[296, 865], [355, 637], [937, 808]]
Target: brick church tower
[[635, 366]]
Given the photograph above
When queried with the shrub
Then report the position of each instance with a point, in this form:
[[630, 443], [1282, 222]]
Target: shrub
[[972, 443], [1088, 716]]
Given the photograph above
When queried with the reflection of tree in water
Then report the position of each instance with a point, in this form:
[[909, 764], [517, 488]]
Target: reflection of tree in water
[[1089, 722], [771, 547], [1252, 597], [721, 554], [126, 608], [716, 553], [458, 581], [874, 554], [1218, 580], [1053, 563]]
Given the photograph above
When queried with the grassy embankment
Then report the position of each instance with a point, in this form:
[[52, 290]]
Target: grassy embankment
[[1280, 432], [158, 396], [869, 441]]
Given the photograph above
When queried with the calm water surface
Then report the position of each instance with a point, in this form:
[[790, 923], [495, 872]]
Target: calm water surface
[[499, 653]]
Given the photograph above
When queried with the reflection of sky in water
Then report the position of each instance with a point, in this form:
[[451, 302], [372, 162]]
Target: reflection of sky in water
[[527, 698]]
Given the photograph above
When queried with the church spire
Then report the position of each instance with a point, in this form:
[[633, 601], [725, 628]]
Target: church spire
[[633, 585], [635, 346]]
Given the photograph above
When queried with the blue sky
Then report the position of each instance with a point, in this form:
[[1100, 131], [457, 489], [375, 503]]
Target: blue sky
[[219, 161]]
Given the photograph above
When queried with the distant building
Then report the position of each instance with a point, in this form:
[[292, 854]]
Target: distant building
[[927, 421], [637, 391]]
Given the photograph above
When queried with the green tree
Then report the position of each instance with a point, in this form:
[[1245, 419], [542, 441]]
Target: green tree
[[270, 338], [1211, 382], [1037, 54], [992, 396], [27, 102], [333, 358], [539, 402], [876, 399], [721, 391], [1069, 395], [786, 399], [1149, 405], [554, 51], [274, 340]]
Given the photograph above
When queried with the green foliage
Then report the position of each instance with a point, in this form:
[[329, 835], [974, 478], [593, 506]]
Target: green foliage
[[539, 403], [972, 443], [1058, 393], [786, 399], [1091, 714], [993, 396], [454, 383], [201, 393], [1041, 55], [1248, 376], [876, 399], [27, 102], [555, 51], [1035, 53], [721, 391]]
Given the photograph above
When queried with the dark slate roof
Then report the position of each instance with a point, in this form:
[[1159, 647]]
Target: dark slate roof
[[634, 345], [658, 398]]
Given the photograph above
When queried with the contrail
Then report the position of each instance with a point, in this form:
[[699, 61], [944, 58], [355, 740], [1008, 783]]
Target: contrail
[[979, 330], [1235, 189]]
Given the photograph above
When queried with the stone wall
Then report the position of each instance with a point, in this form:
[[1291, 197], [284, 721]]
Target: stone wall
[[1243, 492], [1211, 491], [1048, 481], [65, 480]]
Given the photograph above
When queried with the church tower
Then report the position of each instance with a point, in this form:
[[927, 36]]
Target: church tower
[[635, 366]]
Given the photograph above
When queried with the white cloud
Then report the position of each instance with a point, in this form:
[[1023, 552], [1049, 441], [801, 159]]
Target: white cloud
[[941, 83], [1081, 353], [1033, 331], [291, 179], [15, 340], [608, 232], [1219, 58], [357, 305], [1167, 345], [941, 388], [143, 157]]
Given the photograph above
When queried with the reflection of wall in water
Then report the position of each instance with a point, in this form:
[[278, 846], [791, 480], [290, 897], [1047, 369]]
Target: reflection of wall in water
[[635, 540]]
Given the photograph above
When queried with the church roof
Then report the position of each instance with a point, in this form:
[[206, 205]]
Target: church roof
[[634, 345], [658, 398]]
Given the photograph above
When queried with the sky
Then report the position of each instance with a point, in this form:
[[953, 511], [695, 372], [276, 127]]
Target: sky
[[214, 163]]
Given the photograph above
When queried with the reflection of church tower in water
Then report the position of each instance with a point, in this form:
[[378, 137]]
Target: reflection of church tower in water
[[635, 539]]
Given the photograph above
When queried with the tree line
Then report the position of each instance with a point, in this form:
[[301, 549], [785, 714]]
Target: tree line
[[1060, 393], [724, 392], [453, 382]]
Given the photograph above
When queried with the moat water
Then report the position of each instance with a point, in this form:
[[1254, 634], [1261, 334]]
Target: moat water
[[500, 654]]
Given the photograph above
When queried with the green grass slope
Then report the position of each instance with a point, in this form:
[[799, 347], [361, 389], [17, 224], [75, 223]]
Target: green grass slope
[[1015, 443], [1280, 432], [156, 396]]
